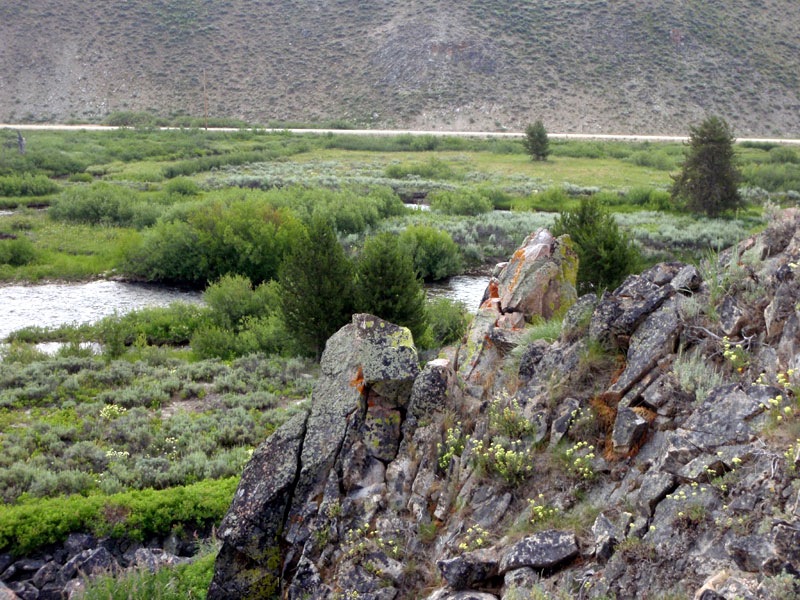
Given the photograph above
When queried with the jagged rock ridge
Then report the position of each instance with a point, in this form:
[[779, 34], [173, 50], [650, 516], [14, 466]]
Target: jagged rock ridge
[[609, 462]]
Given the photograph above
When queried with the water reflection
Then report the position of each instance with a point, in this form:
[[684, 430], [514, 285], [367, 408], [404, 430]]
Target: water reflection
[[56, 304], [464, 288]]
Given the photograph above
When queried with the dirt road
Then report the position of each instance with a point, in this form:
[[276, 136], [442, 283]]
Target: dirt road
[[477, 134]]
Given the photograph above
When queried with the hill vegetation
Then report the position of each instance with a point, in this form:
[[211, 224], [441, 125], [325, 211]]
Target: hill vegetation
[[646, 67]]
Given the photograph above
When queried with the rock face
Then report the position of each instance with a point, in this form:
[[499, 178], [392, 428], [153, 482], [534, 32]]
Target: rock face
[[465, 475], [538, 281]]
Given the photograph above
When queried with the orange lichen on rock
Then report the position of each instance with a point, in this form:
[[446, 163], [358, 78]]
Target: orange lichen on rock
[[358, 381]]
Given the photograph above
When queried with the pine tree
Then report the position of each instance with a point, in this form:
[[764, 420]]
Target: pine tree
[[709, 177], [605, 254], [387, 286], [316, 283], [536, 142]]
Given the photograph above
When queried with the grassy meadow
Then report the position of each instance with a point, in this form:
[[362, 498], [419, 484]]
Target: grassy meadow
[[180, 396]]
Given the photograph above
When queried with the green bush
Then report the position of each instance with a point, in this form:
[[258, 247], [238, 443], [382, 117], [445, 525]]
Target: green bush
[[460, 202], [27, 185], [784, 154], [172, 325], [17, 252], [31, 524], [105, 203], [448, 320], [434, 168], [232, 298], [248, 237], [434, 252], [605, 254], [80, 178], [182, 186]]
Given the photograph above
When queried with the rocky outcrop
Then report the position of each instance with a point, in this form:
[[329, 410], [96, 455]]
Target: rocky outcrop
[[538, 281], [651, 448]]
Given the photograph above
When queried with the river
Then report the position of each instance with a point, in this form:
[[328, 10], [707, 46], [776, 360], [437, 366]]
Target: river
[[54, 304]]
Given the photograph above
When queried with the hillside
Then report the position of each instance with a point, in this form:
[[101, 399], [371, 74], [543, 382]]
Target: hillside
[[645, 67]]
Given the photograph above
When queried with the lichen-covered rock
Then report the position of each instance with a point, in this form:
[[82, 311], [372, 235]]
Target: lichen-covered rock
[[576, 320], [617, 315], [430, 389], [540, 277], [545, 550], [249, 531], [731, 317], [628, 430], [519, 584], [606, 537], [89, 563], [468, 569]]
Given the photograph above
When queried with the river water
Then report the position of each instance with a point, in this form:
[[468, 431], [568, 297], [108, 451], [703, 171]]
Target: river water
[[54, 304], [464, 288]]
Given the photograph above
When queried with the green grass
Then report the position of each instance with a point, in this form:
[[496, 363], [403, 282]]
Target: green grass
[[136, 515], [182, 582]]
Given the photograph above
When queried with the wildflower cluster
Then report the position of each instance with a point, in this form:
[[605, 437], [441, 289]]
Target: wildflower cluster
[[508, 420], [540, 511], [735, 354], [693, 512], [792, 455], [364, 540], [778, 413], [117, 454], [171, 447], [580, 457], [476, 537], [111, 411], [512, 463], [721, 481], [453, 446]]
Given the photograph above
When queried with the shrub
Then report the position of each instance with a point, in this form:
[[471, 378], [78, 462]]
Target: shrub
[[434, 253], [432, 169], [80, 178], [138, 514], [784, 154], [460, 202], [104, 203], [27, 185], [249, 237], [448, 320], [232, 298], [17, 252], [182, 186], [605, 254]]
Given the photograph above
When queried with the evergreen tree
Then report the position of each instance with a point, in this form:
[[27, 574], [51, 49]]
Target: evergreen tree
[[709, 177], [605, 254], [387, 286], [536, 142], [316, 283]]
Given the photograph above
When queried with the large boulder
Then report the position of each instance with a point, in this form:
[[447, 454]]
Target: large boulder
[[367, 372], [542, 551], [250, 530], [538, 281]]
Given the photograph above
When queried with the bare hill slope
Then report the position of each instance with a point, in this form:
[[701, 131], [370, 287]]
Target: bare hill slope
[[582, 65]]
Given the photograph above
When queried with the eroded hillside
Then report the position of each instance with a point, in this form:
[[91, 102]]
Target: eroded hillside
[[645, 67]]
